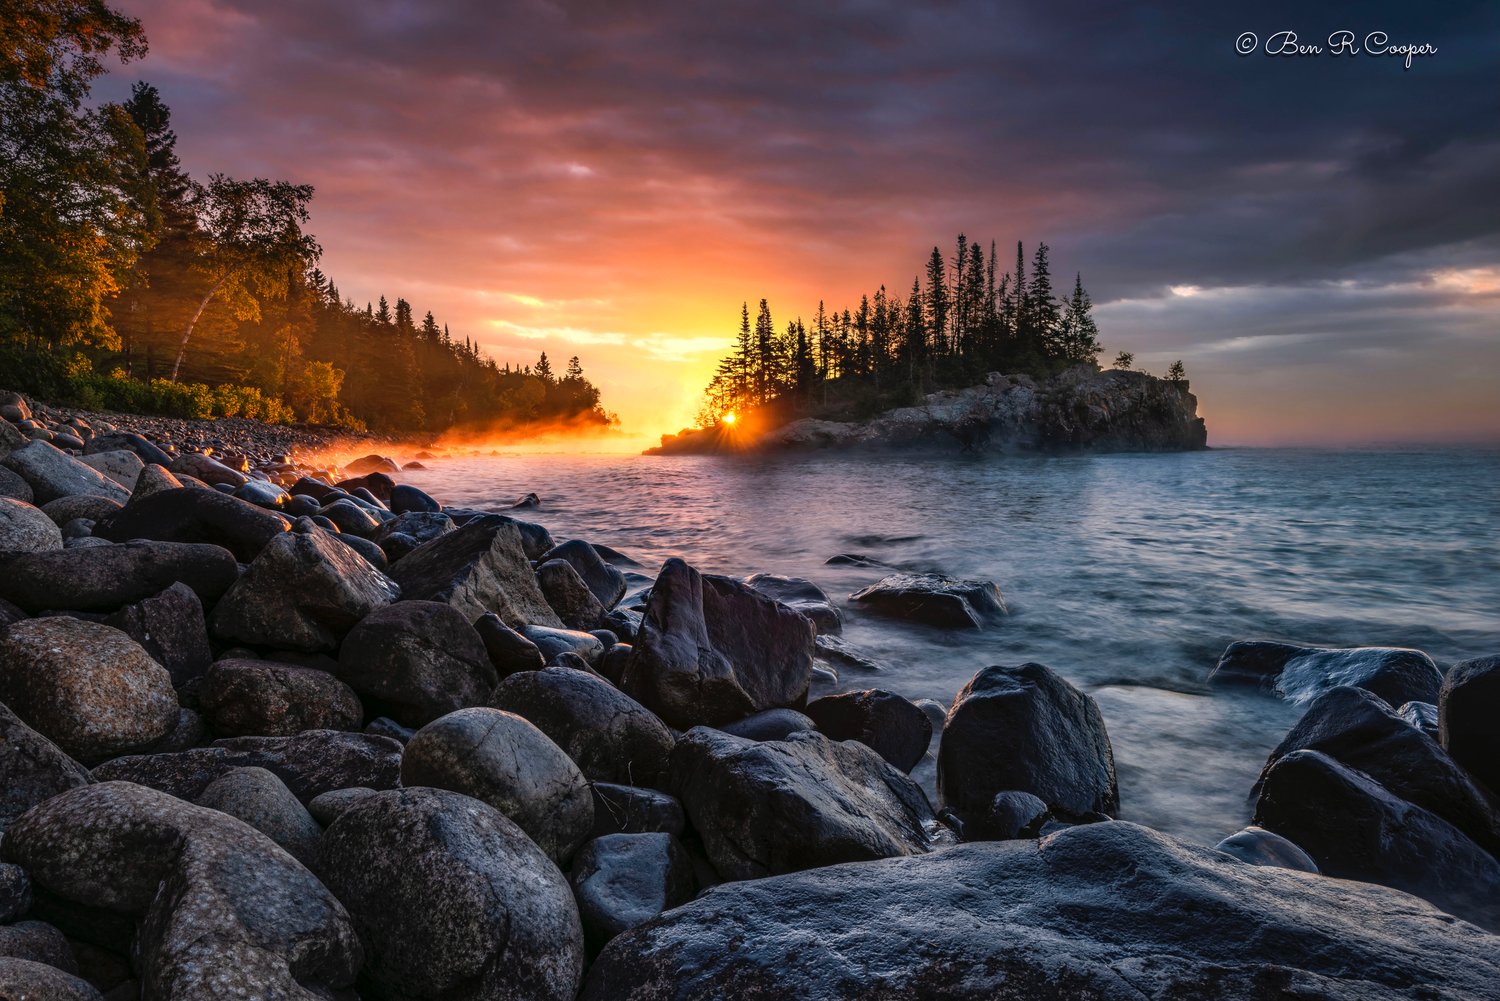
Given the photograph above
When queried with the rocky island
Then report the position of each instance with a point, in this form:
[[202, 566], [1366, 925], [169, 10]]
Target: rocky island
[[273, 728]]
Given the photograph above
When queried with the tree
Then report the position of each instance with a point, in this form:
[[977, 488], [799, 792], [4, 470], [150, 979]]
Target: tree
[[318, 390], [575, 368], [1124, 360], [762, 374], [937, 301], [543, 369], [1176, 374], [252, 242], [1079, 334], [1041, 304]]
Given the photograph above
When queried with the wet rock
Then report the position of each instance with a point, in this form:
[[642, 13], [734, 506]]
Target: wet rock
[[837, 652], [479, 568], [536, 541], [1469, 717], [223, 910], [262, 494], [304, 591], [603, 581], [209, 470], [1258, 846], [609, 735], [406, 498], [769, 724], [15, 892], [260, 698], [263, 801], [417, 660], [327, 807], [351, 517], [1423, 716], [622, 809], [893, 726], [33, 768], [552, 643], [52, 473], [507, 649], [24, 980], [763, 808], [612, 665], [507, 762], [88, 688], [121, 465], [711, 650], [420, 526], [624, 880], [1300, 674], [372, 463], [84, 507], [25, 529], [367, 550], [933, 599], [191, 515], [105, 578], [1011, 815], [527, 501], [802, 595], [1026, 728], [171, 628], [452, 900], [110, 441], [12, 486], [569, 596], [1354, 828], [1100, 911], [154, 479]]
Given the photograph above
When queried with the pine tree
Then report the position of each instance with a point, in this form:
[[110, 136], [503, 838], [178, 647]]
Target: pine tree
[[937, 302], [383, 313], [1019, 309], [1176, 374], [1079, 335], [1041, 304], [763, 374]]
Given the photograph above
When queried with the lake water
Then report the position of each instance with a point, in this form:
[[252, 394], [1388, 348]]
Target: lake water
[[1127, 574]]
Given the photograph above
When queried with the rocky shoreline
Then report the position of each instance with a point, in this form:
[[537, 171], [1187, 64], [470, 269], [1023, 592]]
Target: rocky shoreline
[[272, 728]]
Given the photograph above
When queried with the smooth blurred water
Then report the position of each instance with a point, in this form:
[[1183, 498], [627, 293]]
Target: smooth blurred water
[[1128, 574]]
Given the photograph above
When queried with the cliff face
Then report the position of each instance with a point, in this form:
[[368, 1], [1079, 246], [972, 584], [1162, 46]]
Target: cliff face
[[1079, 410]]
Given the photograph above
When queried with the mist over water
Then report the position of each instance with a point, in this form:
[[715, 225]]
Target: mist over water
[[1127, 574]]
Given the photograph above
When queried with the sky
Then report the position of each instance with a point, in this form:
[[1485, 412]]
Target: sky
[[1316, 237]]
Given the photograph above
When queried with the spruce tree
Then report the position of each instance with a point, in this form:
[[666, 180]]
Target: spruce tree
[[1041, 303], [937, 302]]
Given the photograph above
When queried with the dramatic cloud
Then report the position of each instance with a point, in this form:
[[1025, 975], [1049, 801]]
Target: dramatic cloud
[[1318, 238]]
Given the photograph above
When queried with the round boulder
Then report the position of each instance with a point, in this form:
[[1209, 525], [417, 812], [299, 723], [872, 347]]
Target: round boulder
[[415, 661], [260, 698], [25, 529], [898, 729]]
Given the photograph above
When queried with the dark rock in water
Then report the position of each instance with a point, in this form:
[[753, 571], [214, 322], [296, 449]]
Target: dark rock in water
[[479, 568], [32, 767], [609, 735], [106, 578], [367, 550], [536, 541], [1354, 828], [452, 900], [209, 470], [14, 487], [1258, 846], [260, 698], [933, 599], [52, 473], [837, 651], [507, 762], [23, 980], [416, 661], [263, 801], [1301, 674], [527, 501], [423, 526], [316, 489], [85, 506], [612, 556], [170, 627], [507, 649], [15, 892], [1026, 728], [1011, 815], [37, 942], [621, 809], [894, 727], [856, 560], [569, 596], [1423, 716], [605, 582], [327, 807], [412, 465], [1357, 729], [25, 529], [803, 596], [110, 441], [1469, 717], [312, 762], [624, 880], [769, 724], [406, 498], [372, 463], [223, 911], [1107, 911], [780, 806], [304, 591], [87, 687], [378, 485], [711, 650], [350, 517], [554, 642]]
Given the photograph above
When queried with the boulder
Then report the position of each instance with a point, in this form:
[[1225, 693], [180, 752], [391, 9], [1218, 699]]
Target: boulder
[[52, 473], [262, 494], [15, 891], [423, 526], [261, 698], [80, 507], [603, 581], [417, 660], [624, 880], [609, 735], [210, 471], [1026, 728], [452, 900], [12, 486], [802, 595], [23, 980], [386, 727], [763, 808], [304, 591], [32, 768], [121, 465], [1469, 717], [769, 724], [1106, 911], [502, 759], [711, 650], [1258, 846], [1423, 716], [569, 596], [933, 599], [25, 529], [1354, 828], [329, 806], [406, 498], [88, 688], [372, 463], [110, 441], [222, 910], [507, 649], [104, 578], [893, 726], [38, 942], [621, 809], [479, 568], [154, 479], [367, 550], [553, 643], [171, 628], [1011, 814], [1300, 674], [355, 519], [263, 801], [191, 515]]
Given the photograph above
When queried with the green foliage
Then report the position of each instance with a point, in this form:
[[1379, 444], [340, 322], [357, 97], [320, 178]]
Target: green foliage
[[1176, 373], [1124, 360]]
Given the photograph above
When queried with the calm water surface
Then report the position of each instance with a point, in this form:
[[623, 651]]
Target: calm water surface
[[1128, 574]]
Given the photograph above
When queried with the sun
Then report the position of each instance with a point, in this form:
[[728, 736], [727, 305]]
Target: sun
[[729, 418]]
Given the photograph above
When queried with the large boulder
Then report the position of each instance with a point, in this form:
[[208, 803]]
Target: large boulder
[[933, 599], [893, 726], [502, 759], [188, 514], [25, 979], [240, 697], [1469, 717], [1354, 828], [171, 628], [304, 591], [802, 595], [207, 469], [452, 900], [110, 441], [569, 596], [119, 464], [711, 650], [624, 880], [622, 809], [25, 529], [767, 807], [479, 568], [222, 910], [1302, 673], [153, 480], [53, 473], [105, 578], [87, 687], [605, 582], [507, 649], [32, 768], [423, 526], [1104, 911], [12, 486], [263, 801], [609, 735], [1026, 728], [85, 507], [417, 660]]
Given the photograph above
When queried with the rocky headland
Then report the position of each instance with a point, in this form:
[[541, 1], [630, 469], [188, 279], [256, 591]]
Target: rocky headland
[[273, 728]]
